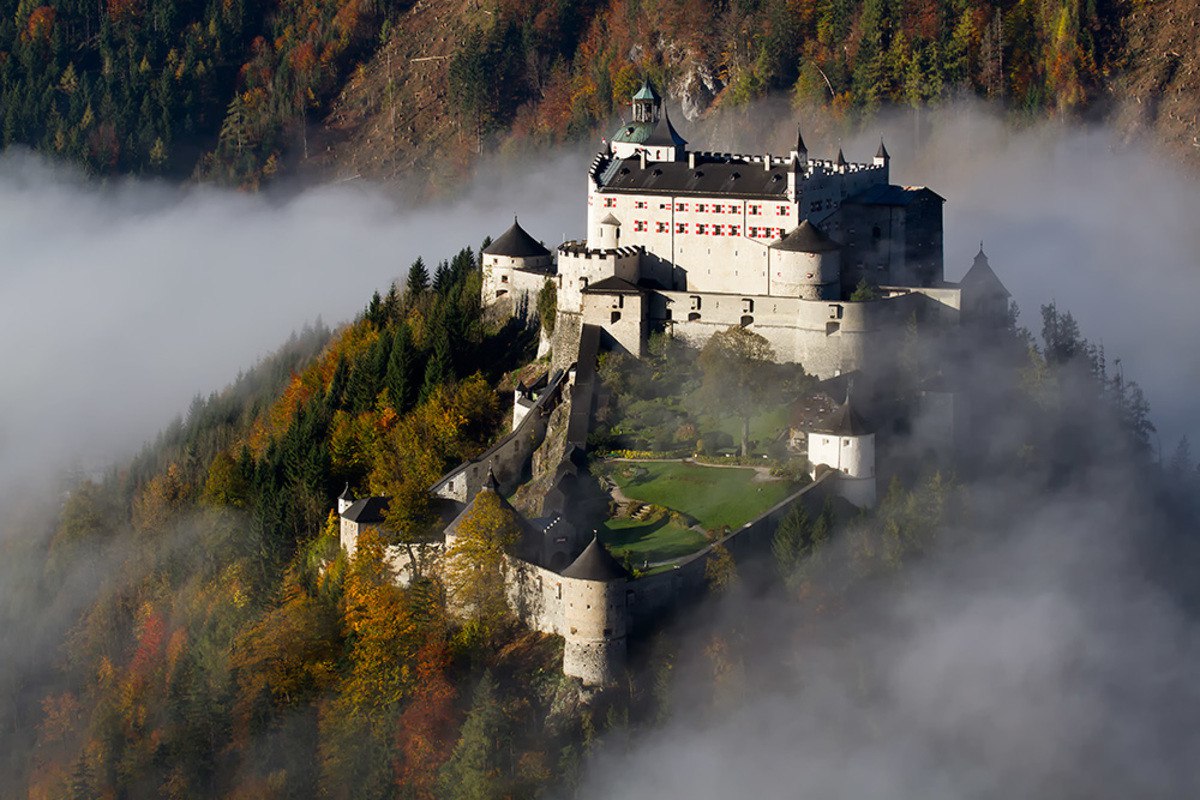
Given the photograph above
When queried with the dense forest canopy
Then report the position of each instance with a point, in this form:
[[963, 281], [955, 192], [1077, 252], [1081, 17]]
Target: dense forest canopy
[[226, 90]]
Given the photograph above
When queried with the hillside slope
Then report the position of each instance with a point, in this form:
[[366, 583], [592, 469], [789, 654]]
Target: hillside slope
[[1160, 90]]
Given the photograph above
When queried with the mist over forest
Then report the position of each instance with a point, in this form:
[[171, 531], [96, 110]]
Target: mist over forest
[[1043, 648]]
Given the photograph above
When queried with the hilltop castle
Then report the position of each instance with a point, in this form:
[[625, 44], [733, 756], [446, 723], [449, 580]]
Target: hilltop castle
[[692, 242]]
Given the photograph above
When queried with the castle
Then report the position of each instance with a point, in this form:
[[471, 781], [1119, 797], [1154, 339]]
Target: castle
[[823, 258], [692, 242]]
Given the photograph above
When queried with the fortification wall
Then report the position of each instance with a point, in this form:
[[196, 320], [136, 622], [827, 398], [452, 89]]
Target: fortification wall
[[509, 457], [826, 337]]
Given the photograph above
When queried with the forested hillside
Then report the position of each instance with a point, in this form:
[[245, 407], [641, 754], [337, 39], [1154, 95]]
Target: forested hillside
[[236, 92]]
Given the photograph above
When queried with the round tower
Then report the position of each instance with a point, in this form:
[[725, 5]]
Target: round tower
[[806, 263], [594, 617], [846, 444], [608, 233], [514, 250]]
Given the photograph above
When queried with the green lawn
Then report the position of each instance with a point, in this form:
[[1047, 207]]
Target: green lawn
[[764, 427], [650, 540], [713, 496]]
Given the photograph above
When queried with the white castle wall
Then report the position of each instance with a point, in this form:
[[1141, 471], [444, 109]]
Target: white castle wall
[[580, 266], [853, 457]]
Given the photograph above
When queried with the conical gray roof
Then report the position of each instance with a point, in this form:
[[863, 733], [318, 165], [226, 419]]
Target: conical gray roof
[[882, 152], [841, 158], [807, 238], [647, 92], [981, 279], [516, 243], [846, 421], [595, 563], [664, 133], [801, 147]]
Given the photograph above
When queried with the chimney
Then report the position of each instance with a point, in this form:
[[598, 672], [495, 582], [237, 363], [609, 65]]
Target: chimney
[[642, 155], [767, 163], [691, 159]]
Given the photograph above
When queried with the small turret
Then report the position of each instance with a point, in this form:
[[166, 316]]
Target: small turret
[[345, 500], [609, 235], [881, 155], [841, 160], [801, 151], [646, 103]]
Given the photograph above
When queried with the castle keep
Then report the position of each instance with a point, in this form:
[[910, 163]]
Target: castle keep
[[690, 243]]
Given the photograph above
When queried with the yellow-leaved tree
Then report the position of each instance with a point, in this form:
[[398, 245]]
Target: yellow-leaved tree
[[476, 567]]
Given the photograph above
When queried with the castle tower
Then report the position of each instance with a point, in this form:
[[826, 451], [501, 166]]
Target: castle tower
[[650, 132], [882, 159], [984, 297], [806, 263], [344, 500], [514, 266], [846, 444], [800, 154], [594, 616]]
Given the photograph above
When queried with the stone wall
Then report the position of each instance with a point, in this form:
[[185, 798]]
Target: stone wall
[[509, 457]]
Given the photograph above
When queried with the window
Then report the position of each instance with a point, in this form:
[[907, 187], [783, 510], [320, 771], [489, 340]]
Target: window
[[616, 317], [681, 206], [701, 228], [694, 316], [610, 202], [747, 320], [583, 283], [718, 208], [695, 302], [718, 230], [733, 209], [734, 230], [681, 227], [782, 211], [504, 279], [747, 305], [639, 203], [701, 207], [755, 210], [845, 442], [660, 227], [639, 225]]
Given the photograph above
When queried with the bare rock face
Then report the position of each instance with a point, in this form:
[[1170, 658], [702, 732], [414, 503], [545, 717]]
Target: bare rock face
[[695, 87]]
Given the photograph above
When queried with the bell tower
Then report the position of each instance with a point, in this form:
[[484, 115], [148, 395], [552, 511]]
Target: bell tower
[[646, 103]]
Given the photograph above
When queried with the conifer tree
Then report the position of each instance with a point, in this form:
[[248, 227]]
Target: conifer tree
[[401, 378], [439, 369], [473, 771], [418, 279]]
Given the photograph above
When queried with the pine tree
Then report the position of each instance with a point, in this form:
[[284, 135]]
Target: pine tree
[[439, 369], [401, 378], [473, 771], [418, 280], [442, 279]]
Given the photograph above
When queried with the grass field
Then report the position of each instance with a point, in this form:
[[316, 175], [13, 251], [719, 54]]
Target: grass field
[[713, 496], [651, 540]]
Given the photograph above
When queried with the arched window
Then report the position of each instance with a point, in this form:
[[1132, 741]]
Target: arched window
[[747, 320]]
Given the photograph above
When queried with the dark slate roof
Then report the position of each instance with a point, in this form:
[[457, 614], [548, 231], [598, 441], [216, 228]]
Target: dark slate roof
[[709, 177], [596, 564], [882, 152], [664, 133], [844, 422], [981, 279], [609, 219], [516, 243], [885, 194], [612, 285], [634, 132], [841, 158], [801, 147], [807, 238], [345, 495], [368, 511]]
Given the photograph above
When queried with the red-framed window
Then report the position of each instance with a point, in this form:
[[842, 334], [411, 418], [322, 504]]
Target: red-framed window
[[718, 230], [660, 227], [755, 210], [734, 230], [639, 203], [639, 225], [701, 228], [681, 206], [701, 206], [610, 202], [781, 211], [681, 227]]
